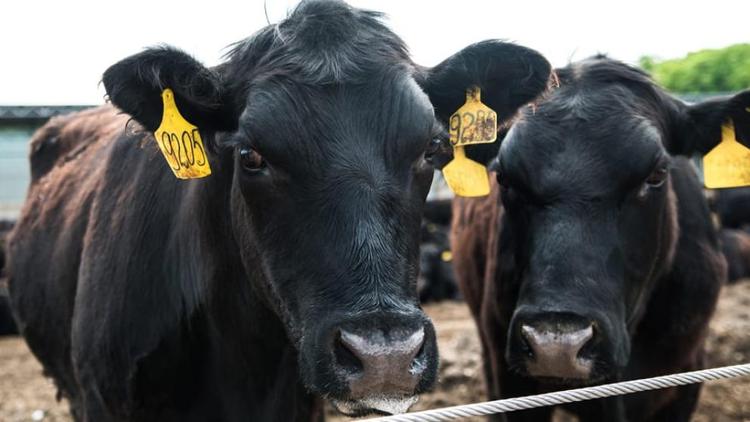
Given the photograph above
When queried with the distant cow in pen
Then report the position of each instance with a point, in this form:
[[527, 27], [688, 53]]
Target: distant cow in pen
[[7, 323]]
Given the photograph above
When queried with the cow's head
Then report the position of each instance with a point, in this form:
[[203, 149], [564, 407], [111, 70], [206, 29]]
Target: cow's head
[[586, 182], [326, 135]]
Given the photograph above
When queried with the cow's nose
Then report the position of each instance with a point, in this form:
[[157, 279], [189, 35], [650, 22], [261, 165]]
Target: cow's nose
[[556, 350], [375, 361]]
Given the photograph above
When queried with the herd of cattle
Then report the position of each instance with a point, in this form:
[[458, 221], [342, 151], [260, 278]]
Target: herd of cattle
[[295, 271]]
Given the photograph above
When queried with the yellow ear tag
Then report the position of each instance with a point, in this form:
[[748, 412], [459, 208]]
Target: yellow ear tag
[[473, 123], [181, 142], [466, 177], [446, 256], [728, 164]]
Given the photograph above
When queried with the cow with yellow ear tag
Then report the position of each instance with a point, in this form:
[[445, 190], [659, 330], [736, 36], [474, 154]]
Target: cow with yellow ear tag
[[284, 274], [594, 257]]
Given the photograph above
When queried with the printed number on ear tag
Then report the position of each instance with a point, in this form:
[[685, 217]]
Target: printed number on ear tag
[[728, 164], [180, 142], [466, 177], [474, 122]]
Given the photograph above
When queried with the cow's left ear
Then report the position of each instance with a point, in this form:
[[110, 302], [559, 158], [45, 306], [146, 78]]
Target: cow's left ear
[[700, 129], [135, 84], [508, 75]]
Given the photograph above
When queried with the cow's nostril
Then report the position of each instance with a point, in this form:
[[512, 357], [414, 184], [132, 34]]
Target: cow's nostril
[[587, 350], [419, 363], [346, 358], [525, 344]]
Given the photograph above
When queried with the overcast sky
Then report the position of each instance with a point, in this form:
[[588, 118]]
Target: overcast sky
[[54, 52]]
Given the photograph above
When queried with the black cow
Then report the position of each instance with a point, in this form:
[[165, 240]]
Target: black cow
[[733, 207], [7, 324], [289, 273], [594, 259], [735, 245], [5, 227], [436, 281]]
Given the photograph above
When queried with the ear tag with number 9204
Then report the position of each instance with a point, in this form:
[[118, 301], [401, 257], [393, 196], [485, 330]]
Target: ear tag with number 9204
[[180, 142], [728, 164], [473, 123]]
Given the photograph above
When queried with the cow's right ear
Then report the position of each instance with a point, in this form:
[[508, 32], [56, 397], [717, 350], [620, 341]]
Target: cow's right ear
[[135, 84], [700, 130], [508, 75]]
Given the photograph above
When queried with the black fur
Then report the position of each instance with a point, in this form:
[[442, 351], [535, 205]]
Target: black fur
[[135, 84], [735, 245], [733, 207]]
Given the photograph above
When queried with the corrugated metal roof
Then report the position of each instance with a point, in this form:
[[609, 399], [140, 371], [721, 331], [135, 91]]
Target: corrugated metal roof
[[37, 112], [697, 97]]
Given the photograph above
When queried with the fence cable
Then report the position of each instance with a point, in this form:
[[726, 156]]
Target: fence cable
[[569, 396]]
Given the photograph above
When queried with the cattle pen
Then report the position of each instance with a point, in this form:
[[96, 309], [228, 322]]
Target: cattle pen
[[367, 211]]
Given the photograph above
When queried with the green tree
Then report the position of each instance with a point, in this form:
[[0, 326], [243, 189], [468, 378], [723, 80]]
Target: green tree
[[720, 70]]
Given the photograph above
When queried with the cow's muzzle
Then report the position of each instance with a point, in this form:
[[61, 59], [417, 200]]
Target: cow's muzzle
[[378, 363], [561, 346]]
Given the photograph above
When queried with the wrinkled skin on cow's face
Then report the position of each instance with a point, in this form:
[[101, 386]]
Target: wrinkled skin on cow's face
[[592, 236], [326, 136], [591, 213]]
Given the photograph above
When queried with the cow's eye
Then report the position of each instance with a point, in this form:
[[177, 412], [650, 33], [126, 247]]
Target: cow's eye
[[657, 177], [251, 161], [433, 148]]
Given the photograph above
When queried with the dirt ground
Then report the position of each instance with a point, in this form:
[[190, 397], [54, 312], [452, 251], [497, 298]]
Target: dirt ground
[[25, 395]]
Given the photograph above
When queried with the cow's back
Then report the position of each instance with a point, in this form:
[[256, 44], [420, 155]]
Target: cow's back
[[64, 137], [44, 248], [94, 178]]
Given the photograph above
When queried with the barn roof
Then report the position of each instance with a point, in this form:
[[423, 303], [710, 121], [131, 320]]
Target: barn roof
[[9, 113], [20, 113]]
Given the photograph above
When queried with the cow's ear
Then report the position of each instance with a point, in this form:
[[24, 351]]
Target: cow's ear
[[508, 75], [700, 130], [135, 84]]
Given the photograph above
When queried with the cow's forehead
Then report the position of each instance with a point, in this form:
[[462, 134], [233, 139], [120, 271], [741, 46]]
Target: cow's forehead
[[387, 117], [609, 147], [329, 82]]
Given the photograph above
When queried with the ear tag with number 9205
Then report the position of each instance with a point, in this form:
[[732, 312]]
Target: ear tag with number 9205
[[473, 123], [180, 142], [728, 164]]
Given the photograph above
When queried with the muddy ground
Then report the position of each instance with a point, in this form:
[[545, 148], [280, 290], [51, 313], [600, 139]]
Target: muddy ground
[[26, 395]]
